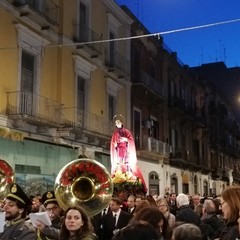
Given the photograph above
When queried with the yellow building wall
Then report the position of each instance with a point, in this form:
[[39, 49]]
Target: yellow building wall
[[8, 58]]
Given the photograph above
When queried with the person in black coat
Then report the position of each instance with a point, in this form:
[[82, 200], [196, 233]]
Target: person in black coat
[[173, 204], [185, 213], [16, 206], [115, 220], [131, 206], [230, 204], [97, 222], [211, 223]]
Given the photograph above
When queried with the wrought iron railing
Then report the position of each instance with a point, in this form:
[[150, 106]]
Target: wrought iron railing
[[152, 83], [31, 105], [84, 35], [47, 8], [85, 120], [153, 145], [117, 61]]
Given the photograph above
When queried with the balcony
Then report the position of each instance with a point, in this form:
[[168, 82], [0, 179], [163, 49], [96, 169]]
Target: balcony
[[151, 83], [88, 123], [217, 172], [213, 109], [43, 12], [236, 176], [155, 146], [184, 159], [225, 175], [85, 35], [118, 64], [34, 109]]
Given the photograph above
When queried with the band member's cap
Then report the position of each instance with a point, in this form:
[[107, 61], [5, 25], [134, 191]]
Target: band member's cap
[[49, 197], [16, 193]]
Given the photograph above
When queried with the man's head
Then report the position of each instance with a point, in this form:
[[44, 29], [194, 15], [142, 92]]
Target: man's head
[[182, 199], [16, 203], [115, 204], [196, 199], [173, 197], [36, 203], [209, 207], [131, 201], [51, 205], [138, 200]]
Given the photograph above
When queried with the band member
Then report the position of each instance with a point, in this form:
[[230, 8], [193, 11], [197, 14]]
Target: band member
[[54, 212], [15, 207]]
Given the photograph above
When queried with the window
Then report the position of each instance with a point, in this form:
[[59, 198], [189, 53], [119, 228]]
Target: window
[[28, 169], [111, 107], [112, 50], [153, 183], [112, 92], [81, 93], [27, 71], [30, 45], [27, 83], [137, 127], [83, 77], [113, 26], [154, 131], [84, 25]]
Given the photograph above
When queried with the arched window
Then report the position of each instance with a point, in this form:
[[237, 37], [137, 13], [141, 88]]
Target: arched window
[[205, 188], [214, 189], [174, 184], [195, 184], [153, 183]]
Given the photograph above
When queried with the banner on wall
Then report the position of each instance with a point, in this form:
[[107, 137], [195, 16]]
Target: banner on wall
[[34, 184]]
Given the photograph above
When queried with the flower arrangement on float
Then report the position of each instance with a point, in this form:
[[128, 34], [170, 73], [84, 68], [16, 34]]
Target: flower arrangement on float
[[125, 180]]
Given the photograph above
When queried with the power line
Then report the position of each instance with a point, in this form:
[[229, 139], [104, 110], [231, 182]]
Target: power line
[[139, 36]]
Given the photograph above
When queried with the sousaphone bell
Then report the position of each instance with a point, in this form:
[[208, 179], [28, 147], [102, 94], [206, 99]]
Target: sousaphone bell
[[85, 183], [6, 178]]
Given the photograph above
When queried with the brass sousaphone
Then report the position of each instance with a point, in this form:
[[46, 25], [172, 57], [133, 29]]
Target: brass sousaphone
[[6, 178], [85, 183]]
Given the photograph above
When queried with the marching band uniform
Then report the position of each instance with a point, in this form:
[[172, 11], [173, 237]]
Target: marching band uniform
[[52, 232], [15, 207]]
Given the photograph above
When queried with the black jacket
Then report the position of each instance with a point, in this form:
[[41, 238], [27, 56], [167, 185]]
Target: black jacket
[[108, 224], [187, 215], [210, 225], [229, 232]]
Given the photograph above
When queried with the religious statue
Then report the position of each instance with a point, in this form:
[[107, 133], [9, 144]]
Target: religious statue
[[123, 151], [124, 167]]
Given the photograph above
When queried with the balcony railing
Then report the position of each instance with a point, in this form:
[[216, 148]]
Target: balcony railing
[[85, 35], [117, 63], [151, 83], [154, 145], [33, 107], [46, 8], [80, 119]]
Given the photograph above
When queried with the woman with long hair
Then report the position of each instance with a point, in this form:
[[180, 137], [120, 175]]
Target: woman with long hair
[[152, 215], [164, 208], [77, 225], [230, 205]]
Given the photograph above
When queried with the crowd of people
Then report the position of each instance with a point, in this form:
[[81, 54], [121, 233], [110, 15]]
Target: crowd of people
[[171, 217]]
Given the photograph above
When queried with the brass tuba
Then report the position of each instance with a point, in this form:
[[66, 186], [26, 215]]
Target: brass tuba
[[6, 178], [86, 183]]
